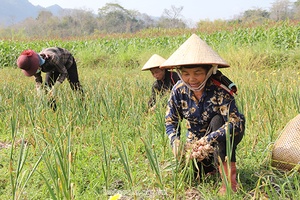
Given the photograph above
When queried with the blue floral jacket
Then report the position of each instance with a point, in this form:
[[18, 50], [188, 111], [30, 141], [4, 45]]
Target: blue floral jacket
[[182, 104]]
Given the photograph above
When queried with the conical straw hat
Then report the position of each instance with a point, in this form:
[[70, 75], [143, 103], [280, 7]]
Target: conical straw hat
[[194, 51], [154, 61]]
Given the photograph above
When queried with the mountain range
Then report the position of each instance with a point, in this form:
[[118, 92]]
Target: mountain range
[[14, 11]]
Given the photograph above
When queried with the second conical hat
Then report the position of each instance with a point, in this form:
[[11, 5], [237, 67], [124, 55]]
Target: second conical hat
[[154, 61], [194, 51]]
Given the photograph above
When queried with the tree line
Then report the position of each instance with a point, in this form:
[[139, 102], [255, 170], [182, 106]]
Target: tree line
[[113, 18]]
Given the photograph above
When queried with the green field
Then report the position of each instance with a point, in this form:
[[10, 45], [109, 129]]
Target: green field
[[110, 144]]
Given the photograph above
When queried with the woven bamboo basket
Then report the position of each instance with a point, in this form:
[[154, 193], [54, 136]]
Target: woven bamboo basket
[[286, 150]]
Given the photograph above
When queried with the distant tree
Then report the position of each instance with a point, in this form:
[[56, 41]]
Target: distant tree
[[71, 23], [24, 29], [172, 18], [280, 10], [164, 22], [42, 26], [255, 15], [144, 20], [79, 22], [173, 13], [44, 15], [148, 22], [296, 10], [113, 18]]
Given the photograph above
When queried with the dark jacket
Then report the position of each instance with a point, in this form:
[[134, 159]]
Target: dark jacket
[[160, 87], [56, 59]]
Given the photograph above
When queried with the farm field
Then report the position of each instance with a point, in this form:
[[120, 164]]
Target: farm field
[[109, 144]]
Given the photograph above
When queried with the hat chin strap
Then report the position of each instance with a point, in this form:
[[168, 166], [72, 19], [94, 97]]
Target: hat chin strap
[[212, 70]]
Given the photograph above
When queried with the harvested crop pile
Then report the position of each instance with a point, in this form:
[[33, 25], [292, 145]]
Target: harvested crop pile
[[198, 149]]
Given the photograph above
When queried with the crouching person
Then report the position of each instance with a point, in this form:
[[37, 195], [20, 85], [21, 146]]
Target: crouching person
[[164, 82], [209, 109]]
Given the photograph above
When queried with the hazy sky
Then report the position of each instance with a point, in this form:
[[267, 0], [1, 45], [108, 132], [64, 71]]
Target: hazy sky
[[194, 10]]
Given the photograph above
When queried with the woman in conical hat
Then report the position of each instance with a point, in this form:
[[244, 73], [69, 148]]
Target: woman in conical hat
[[165, 79], [210, 110]]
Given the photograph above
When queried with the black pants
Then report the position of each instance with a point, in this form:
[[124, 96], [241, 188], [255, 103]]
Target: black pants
[[208, 165], [233, 142]]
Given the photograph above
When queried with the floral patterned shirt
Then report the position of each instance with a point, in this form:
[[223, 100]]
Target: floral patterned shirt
[[182, 104]]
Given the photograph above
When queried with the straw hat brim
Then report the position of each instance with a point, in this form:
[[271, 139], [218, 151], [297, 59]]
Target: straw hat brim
[[194, 51], [153, 62]]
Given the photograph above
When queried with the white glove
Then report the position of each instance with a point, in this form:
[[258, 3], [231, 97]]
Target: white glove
[[39, 89], [175, 147], [53, 90]]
